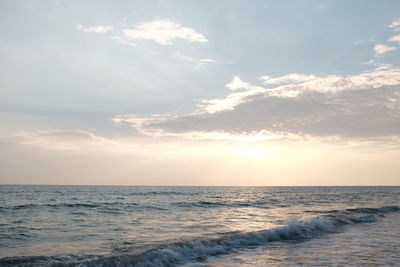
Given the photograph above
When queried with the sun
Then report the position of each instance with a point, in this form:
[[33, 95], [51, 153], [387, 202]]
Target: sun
[[252, 151]]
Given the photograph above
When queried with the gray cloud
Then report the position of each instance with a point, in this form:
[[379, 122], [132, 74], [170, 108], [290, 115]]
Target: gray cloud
[[357, 113], [359, 106]]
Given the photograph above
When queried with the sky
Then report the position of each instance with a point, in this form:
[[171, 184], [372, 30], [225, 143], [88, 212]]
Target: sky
[[241, 93]]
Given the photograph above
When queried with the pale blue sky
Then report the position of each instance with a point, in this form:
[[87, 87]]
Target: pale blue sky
[[60, 72]]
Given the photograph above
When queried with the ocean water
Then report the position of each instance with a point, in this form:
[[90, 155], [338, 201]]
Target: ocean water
[[199, 226]]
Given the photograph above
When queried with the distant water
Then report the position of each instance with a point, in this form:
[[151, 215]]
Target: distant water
[[199, 226]]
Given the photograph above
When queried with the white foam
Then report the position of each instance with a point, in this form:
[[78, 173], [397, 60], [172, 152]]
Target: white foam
[[195, 250]]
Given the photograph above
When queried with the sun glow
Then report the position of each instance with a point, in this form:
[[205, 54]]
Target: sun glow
[[252, 151]]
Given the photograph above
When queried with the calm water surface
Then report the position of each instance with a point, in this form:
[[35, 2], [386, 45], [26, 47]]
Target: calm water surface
[[198, 226]]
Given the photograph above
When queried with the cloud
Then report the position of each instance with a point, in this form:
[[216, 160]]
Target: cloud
[[85, 142], [395, 38], [198, 62], [381, 49], [62, 140], [362, 106], [237, 83], [395, 25], [207, 60], [95, 29], [384, 75], [78, 141], [163, 32], [290, 78]]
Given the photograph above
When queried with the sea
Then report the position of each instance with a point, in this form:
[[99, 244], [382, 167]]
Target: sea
[[43, 225]]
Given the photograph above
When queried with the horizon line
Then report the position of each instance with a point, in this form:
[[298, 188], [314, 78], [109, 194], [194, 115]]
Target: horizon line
[[121, 185]]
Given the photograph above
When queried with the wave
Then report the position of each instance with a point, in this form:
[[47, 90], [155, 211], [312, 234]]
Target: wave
[[209, 204], [63, 205], [384, 209], [98, 206], [130, 205], [171, 254], [167, 193]]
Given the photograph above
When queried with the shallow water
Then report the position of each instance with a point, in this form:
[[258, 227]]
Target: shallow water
[[199, 226]]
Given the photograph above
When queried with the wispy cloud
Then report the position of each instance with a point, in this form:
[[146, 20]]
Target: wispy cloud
[[95, 29], [86, 142], [163, 32], [65, 140], [79, 141], [290, 78], [198, 62], [381, 49], [395, 25], [354, 106], [395, 38]]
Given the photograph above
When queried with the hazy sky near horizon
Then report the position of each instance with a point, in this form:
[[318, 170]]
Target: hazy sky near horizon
[[200, 92]]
